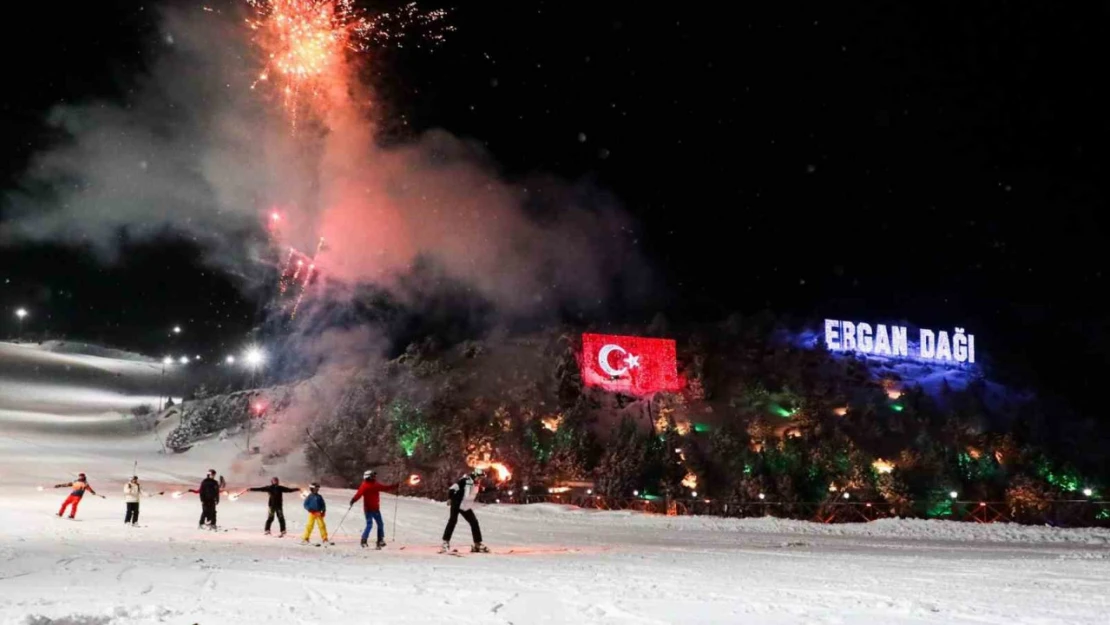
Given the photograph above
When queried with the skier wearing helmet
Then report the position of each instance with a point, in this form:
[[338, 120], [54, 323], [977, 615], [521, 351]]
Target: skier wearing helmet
[[369, 491], [316, 508], [461, 498], [79, 487]]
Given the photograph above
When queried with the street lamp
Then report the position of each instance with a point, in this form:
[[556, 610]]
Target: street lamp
[[177, 329], [230, 360], [20, 314], [254, 359], [184, 360], [167, 361]]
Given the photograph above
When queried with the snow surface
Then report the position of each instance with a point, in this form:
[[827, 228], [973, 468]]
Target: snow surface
[[551, 564]]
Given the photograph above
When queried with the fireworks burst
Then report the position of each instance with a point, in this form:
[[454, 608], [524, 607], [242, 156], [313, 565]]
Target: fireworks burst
[[305, 41]]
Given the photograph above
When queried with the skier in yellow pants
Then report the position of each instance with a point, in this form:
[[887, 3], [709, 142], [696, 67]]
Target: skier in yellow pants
[[316, 507]]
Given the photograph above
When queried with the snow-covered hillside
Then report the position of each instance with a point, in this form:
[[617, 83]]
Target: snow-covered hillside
[[550, 564]]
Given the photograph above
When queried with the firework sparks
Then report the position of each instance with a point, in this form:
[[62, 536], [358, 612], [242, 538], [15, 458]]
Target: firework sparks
[[305, 42]]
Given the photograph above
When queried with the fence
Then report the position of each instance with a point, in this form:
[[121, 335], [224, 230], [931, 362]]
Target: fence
[[1058, 513]]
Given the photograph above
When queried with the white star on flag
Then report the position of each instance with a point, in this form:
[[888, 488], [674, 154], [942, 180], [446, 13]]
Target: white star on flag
[[632, 361]]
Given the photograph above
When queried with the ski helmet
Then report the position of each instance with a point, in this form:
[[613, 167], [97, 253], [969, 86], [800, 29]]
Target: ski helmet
[[81, 475], [314, 487], [369, 475]]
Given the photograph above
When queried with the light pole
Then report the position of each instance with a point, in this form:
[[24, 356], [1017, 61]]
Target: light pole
[[20, 314], [254, 359], [162, 384]]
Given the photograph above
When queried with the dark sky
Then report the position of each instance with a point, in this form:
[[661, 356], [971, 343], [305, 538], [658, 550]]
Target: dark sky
[[938, 162]]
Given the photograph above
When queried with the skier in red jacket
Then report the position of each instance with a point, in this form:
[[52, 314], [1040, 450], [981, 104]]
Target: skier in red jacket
[[369, 491], [79, 487]]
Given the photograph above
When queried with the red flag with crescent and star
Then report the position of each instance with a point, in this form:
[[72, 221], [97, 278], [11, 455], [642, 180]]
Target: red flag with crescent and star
[[631, 365]]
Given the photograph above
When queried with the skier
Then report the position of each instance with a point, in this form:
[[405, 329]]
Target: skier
[[316, 507], [276, 491], [369, 491], [461, 498], [79, 487], [132, 491], [209, 492]]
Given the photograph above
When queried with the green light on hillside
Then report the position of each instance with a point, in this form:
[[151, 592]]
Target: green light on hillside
[[897, 407], [782, 412], [701, 427]]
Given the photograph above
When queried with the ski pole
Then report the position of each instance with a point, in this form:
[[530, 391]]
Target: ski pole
[[340, 528]]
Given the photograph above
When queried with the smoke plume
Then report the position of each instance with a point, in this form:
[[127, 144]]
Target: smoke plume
[[200, 151]]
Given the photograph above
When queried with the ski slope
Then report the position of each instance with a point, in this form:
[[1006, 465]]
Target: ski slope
[[551, 564]]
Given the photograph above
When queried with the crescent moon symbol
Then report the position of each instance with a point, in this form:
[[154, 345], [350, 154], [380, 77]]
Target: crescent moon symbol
[[603, 360]]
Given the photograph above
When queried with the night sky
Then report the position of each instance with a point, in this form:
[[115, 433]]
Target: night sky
[[942, 163]]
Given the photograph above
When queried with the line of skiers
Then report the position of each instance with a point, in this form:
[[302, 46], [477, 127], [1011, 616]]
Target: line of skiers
[[461, 499]]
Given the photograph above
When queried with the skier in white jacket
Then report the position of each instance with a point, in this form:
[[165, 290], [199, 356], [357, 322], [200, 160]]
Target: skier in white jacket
[[461, 497], [132, 492]]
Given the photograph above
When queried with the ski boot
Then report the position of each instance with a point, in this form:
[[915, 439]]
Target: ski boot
[[265, 532], [479, 548], [381, 543], [282, 534], [362, 543], [446, 548]]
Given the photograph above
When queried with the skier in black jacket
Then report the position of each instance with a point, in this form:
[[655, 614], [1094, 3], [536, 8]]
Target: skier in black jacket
[[276, 492], [209, 492], [461, 499]]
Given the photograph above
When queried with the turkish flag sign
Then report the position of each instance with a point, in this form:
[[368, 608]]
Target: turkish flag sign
[[630, 364]]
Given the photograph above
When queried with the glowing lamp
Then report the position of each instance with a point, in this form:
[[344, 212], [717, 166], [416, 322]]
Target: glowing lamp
[[254, 356], [184, 360], [762, 496], [635, 493], [1087, 492], [177, 329], [589, 491], [21, 313], [953, 494], [167, 360], [694, 494], [230, 360], [847, 496]]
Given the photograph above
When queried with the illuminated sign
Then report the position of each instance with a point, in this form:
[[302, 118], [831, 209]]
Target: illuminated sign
[[883, 340], [629, 364]]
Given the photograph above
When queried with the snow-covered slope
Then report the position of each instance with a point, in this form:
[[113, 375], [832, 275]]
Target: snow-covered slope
[[551, 564]]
